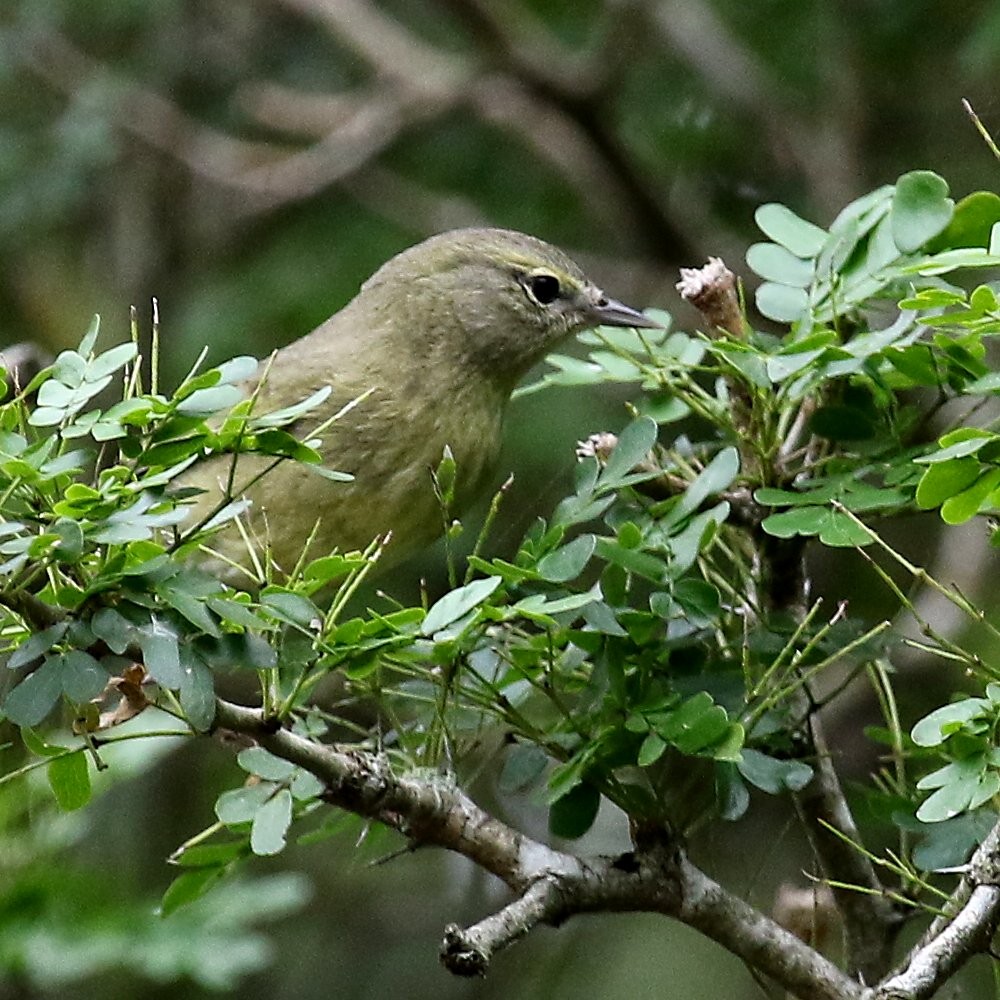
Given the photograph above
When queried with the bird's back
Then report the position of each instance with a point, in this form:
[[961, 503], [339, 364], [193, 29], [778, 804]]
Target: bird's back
[[389, 442]]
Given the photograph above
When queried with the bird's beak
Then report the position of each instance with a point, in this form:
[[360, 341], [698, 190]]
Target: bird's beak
[[609, 312]]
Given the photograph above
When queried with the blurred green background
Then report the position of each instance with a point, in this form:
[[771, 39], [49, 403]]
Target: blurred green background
[[249, 164]]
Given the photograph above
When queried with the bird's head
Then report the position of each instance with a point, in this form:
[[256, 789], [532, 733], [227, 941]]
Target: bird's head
[[497, 299]]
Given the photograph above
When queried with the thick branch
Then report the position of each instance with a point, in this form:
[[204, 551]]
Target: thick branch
[[428, 809], [551, 885], [269, 174]]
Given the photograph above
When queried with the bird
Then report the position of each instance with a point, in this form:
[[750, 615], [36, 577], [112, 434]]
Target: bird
[[432, 346]]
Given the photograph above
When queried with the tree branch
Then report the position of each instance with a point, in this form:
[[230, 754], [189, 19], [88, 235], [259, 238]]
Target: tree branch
[[971, 919], [270, 174], [551, 885], [467, 951]]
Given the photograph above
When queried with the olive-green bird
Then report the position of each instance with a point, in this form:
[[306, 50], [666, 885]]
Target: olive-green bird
[[438, 338]]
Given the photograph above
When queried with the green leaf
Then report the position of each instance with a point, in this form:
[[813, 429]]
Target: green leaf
[[963, 506], [933, 298], [169, 453], [257, 760], [37, 645], [275, 441], [572, 815], [933, 729], [240, 805], [800, 521], [921, 209], [113, 629], [946, 479], [197, 693], [958, 444], [775, 263], [989, 383], [210, 855], [700, 600], [730, 746], [289, 414], [859, 497], [802, 238], [569, 371], [663, 407], [652, 749], [69, 548], [244, 650], [952, 260], [541, 608], [744, 359], [602, 619], [38, 746], [33, 699], [236, 613], [70, 367], [730, 792], [698, 533], [949, 800], [189, 886], [644, 564], [83, 677], [237, 369], [271, 823], [328, 568], [841, 531], [782, 303], [974, 218], [160, 654], [184, 596], [633, 447], [983, 299], [783, 366], [772, 775], [110, 361], [45, 416], [90, 337], [715, 477], [54, 393], [457, 603], [568, 562], [294, 609], [69, 778], [332, 475], [694, 725], [949, 843], [989, 785], [305, 786], [205, 402]]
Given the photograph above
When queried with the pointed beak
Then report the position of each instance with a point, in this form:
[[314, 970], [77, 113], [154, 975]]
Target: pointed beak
[[609, 312]]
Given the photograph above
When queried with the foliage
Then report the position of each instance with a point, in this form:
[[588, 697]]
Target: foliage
[[61, 923], [632, 638]]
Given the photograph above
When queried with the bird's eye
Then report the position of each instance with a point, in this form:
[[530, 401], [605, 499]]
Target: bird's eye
[[544, 288]]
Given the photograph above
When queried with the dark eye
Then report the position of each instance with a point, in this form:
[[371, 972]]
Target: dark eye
[[544, 287]]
